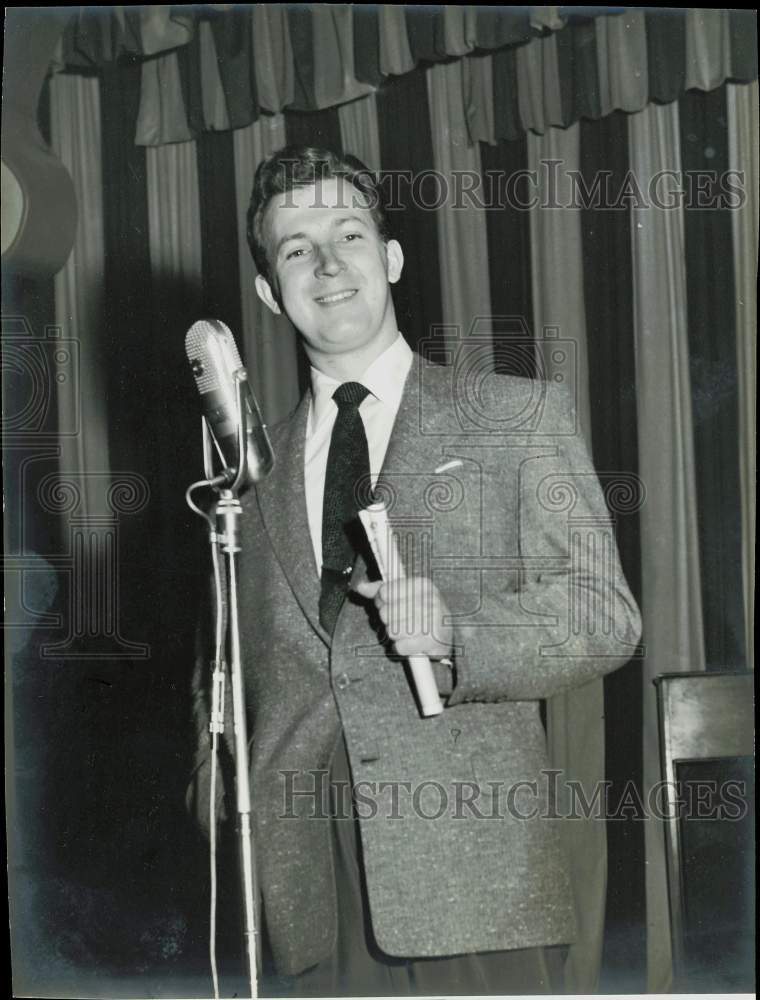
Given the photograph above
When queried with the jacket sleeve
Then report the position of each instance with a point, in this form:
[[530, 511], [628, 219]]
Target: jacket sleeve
[[562, 613]]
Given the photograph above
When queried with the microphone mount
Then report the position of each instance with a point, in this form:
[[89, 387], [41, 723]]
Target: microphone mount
[[224, 535]]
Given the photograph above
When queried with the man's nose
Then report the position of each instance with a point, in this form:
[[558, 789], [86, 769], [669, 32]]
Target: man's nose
[[328, 261]]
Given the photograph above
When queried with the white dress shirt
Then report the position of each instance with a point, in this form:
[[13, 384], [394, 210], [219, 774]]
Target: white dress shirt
[[385, 380]]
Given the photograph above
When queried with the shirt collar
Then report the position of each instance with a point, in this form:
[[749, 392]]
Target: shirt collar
[[384, 378]]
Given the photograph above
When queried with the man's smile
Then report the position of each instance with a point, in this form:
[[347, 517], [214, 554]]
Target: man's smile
[[334, 271], [334, 297]]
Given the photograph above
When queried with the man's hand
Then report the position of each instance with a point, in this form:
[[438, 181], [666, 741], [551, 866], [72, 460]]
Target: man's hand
[[413, 612]]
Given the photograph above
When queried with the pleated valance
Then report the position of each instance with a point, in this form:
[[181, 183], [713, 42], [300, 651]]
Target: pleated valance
[[221, 66]]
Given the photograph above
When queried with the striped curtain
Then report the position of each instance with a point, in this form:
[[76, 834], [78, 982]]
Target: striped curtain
[[224, 66], [663, 360], [75, 134]]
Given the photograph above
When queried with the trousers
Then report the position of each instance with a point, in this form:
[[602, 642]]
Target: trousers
[[357, 967]]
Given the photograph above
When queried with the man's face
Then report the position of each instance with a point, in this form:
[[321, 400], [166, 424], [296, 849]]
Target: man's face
[[332, 269]]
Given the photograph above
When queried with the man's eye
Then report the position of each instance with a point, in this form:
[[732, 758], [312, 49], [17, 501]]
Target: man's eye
[[349, 237], [296, 253]]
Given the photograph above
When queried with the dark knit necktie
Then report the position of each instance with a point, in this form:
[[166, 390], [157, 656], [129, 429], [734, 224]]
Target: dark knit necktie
[[347, 474]]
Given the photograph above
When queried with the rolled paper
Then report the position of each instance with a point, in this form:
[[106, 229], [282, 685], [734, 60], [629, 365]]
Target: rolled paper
[[385, 550]]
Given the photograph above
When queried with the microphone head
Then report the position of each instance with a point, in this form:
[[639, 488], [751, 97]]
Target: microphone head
[[218, 372], [211, 349]]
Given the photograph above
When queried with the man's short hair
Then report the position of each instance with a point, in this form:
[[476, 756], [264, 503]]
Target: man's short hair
[[300, 166]]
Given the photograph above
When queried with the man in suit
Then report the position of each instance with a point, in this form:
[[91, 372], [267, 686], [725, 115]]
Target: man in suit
[[444, 870]]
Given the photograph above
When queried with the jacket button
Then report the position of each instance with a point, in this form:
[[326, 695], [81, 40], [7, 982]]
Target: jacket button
[[343, 681]]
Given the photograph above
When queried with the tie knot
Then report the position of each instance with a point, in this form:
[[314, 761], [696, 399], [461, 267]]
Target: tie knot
[[350, 394]]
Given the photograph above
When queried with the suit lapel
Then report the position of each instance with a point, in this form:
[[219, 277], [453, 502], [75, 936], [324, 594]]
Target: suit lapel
[[282, 498], [408, 450], [282, 501]]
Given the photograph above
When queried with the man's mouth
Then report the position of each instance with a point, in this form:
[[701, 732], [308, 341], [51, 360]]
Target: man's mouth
[[329, 300]]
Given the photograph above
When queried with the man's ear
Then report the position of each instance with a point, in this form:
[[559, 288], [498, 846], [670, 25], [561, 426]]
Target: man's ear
[[264, 292], [395, 260]]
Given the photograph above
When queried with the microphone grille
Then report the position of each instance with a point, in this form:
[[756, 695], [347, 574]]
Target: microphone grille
[[207, 342]]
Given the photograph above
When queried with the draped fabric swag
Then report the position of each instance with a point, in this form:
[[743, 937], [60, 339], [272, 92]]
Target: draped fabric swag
[[218, 68], [450, 89]]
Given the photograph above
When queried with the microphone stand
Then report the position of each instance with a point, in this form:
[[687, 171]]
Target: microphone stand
[[227, 535]]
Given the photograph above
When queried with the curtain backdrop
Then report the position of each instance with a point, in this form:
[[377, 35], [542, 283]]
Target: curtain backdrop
[[269, 341], [359, 130], [671, 602], [562, 63], [576, 739], [75, 137], [466, 295], [162, 240], [743, 156]]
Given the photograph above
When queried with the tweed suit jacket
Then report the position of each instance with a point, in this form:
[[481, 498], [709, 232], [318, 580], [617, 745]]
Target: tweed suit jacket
[[492, 495]]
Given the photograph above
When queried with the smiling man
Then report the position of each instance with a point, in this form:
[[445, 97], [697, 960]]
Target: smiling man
[[331, 273], [443, 873]]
